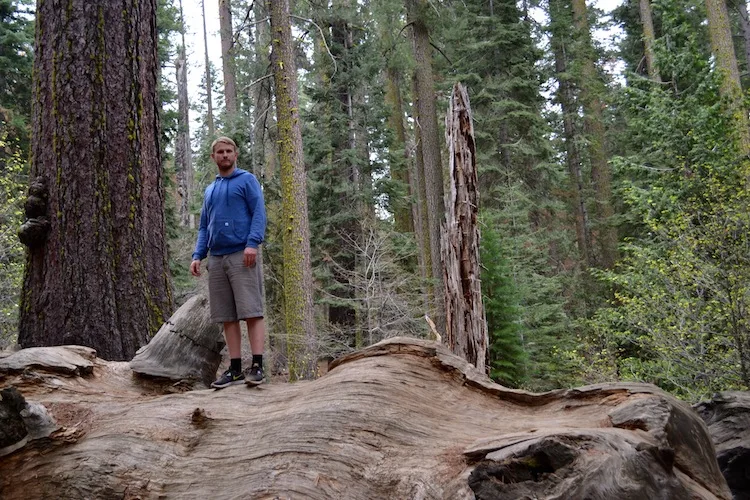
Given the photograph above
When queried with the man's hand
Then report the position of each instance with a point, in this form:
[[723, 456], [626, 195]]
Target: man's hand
[[250, 256], [195, 268]]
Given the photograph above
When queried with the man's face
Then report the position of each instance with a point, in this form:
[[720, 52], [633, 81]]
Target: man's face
[[224, 155]]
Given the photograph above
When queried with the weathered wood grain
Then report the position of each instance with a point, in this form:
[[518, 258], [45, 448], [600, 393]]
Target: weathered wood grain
[[465, 325], [401, 419], [187, 347], [728, 418], [66, 360]]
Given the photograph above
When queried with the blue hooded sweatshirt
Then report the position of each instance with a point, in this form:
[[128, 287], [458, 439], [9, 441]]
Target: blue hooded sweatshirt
[[233, 215]]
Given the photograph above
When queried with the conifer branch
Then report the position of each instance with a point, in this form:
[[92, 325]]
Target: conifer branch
[[251, 84], [322, 36]]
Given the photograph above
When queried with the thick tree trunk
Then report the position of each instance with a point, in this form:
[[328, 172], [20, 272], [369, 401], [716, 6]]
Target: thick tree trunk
[[264, 160], [401, 150], [101, 279], [346, 178], [227, 34], [402, 212], [745, 27], [649, 38], [466, 328], [722, 47], [209, 80], [430, 142], [401, 419], [420, 213], [183, 151], [298, 303], [573, 156], [591, 91]]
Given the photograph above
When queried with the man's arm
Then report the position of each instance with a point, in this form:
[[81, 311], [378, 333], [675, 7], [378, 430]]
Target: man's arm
[[201, 244], [257, 209], [251, 256], [195, 268]]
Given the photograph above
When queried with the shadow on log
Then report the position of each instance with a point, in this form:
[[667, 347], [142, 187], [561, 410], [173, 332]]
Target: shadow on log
[[728, 418], [186, 348], [401, 419]]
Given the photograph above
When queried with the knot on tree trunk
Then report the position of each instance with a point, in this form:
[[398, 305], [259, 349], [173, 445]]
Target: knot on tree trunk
[[21, 421], [33, 232]]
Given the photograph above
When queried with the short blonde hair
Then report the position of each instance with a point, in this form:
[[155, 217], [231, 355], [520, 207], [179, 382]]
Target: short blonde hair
[[223, 140]]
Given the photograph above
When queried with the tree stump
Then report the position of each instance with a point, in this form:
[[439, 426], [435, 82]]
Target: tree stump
[[187, 347], [465, 328]]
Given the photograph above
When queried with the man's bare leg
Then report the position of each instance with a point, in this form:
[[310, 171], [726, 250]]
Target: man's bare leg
[[233, 337], [256, 334]]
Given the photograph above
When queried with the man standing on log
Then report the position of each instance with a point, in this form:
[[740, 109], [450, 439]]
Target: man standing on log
[[233, 223]]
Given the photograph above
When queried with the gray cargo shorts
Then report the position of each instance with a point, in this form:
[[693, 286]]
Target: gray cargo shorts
[[235, 292]]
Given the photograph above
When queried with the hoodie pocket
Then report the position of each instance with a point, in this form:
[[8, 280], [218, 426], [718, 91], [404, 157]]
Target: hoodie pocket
[[224, 235], [241, 228]]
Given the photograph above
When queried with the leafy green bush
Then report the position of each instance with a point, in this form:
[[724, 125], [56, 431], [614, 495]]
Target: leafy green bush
[[12, 191]]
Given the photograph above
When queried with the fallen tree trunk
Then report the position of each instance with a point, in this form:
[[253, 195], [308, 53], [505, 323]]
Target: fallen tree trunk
[[401, 419], [728, 418]]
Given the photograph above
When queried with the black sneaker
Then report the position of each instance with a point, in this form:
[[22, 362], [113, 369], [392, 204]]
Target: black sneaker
[[255, 375], [228, 378]]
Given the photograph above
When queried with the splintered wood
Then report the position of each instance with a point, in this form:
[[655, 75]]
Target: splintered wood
[[466, 329]]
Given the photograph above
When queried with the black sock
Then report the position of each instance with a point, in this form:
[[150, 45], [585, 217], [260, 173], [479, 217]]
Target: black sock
[[235, 364], [258, 360]]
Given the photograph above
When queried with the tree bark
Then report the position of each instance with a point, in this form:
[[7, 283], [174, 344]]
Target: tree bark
[[346, 178], [187, 348], [401, 419], [649, 38], [298, 303], [419, 211], [745, 27], [209, 80], [591, 90], [430, 139], [573, 156], [264, 160], [183, 151], [227, 34], [727, 416], [101, 278], [466, 328], [402, 203], [730, 88], [402, 212]]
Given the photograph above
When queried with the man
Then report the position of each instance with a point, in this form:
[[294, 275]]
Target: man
[[233, 223]]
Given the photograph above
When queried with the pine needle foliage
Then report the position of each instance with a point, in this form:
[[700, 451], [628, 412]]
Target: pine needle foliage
[[507, 356], [16, 56]]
